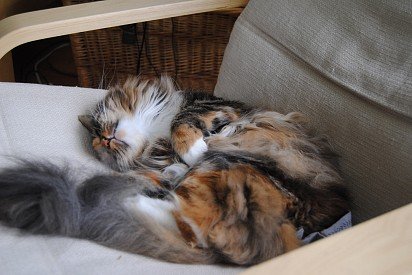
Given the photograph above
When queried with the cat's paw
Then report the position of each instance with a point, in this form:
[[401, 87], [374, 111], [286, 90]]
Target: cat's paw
[[175, 171], [229, 130], [195, 152]]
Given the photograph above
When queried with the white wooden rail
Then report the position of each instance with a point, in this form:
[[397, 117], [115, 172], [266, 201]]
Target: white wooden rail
[[382, 246], [22, 28]]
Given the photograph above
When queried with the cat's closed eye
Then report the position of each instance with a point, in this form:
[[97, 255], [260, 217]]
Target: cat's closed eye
[[108, 131], [110, 137]]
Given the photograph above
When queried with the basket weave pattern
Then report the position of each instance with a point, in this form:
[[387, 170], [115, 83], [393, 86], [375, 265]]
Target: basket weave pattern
[[188, 48]]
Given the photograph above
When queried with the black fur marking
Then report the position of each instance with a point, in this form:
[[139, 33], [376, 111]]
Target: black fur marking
[[220, 196], [166, 184], [183, 192], [251, 206], [156, 194]]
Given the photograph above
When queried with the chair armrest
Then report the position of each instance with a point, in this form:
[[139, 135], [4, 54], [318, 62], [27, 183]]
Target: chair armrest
[[382, 245], [22, 28]]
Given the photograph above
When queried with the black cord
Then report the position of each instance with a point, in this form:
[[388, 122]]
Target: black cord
[[139, 49], [174, 48], [39, 73], [147, 50], [36, 57], [58, 71]]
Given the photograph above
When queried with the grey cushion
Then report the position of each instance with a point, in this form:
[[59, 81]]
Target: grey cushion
[[347, 66], [39, 121]]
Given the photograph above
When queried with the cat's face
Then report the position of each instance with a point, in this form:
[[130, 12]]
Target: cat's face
[[129, 118], [113, 143], [116, 137]]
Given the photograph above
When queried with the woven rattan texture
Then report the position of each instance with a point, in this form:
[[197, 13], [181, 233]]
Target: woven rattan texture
[[188, 48]]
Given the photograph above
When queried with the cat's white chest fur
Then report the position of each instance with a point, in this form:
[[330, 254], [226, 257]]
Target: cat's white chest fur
[[151, 120]]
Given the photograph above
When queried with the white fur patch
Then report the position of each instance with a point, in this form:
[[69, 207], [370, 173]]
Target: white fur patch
[[195, 152], [134, 133], [198, 233], [156, 209], [152, 118], [228, 130]]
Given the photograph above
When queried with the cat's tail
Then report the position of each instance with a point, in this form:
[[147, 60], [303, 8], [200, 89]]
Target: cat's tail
[[43, 199]]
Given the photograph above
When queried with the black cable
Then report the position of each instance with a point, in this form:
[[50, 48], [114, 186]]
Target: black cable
[[37, 56], [39, 73], [139, 50], [147, 49], [58, 71], [174, 48]]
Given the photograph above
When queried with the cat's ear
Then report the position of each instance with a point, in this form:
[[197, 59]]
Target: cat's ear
[[87, 122]]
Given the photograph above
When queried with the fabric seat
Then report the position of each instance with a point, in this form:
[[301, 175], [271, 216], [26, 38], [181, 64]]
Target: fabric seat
[[39, 121]]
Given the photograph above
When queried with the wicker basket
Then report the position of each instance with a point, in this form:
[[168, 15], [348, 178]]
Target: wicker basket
[[188, 48]]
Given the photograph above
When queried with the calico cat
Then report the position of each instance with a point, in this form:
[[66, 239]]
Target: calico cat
[[198, 179], [149, 123]]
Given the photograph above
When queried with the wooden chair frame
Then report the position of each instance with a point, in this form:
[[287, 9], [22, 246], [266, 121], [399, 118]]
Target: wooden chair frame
[[22, 28], [361, 249]]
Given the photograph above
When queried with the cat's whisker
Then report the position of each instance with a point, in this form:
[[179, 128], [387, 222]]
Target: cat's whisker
[[102, 78], [113, 75]]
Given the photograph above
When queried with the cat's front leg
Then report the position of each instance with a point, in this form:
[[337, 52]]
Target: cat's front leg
[[191, 126], [188, 142]]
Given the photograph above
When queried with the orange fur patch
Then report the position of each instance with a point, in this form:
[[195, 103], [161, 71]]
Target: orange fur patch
[[184, 137], [288, 235], [154, 177], [209, 117], [96, 143], [221, 203], [185, 230]]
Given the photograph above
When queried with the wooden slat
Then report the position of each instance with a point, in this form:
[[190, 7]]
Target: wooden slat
[[6, 68], [19, 29], [379, 246]]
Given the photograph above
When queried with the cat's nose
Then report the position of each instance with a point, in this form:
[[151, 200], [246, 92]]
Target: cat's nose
[[106, 142]]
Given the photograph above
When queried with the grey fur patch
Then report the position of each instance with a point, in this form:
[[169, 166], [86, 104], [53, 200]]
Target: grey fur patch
[[42, 198]]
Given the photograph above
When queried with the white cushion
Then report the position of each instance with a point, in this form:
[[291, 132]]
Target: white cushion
[[41, 121], [347, 66]]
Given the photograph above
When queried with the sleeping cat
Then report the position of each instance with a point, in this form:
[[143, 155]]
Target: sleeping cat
[[197, 179], [147, 118]]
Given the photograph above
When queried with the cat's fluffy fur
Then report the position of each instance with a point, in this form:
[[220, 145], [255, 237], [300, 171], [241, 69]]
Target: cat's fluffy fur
[[201, 180], [141, 117]]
